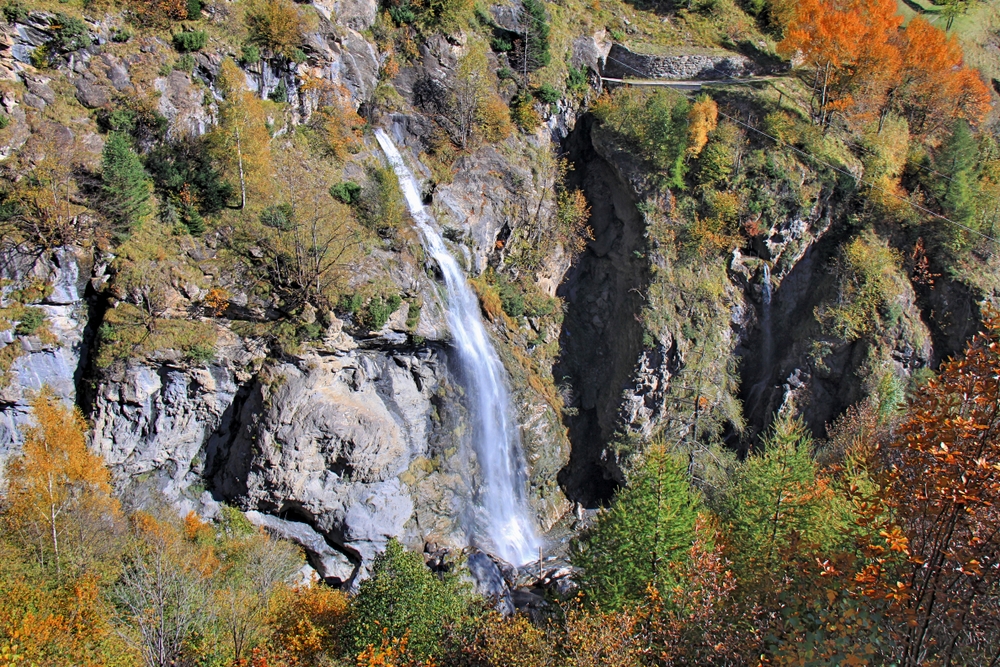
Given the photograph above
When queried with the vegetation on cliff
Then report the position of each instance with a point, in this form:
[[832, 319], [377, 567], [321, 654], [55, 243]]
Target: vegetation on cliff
[[745, 529]]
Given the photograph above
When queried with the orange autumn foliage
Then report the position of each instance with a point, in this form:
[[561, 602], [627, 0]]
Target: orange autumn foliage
[[943, 488], [304, 623], [702, 119], [935, 86], [336, 121], [866, 66], [58, 498], [392, 653]]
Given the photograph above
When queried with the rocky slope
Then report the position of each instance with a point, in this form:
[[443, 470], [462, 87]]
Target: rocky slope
[[361, 435]]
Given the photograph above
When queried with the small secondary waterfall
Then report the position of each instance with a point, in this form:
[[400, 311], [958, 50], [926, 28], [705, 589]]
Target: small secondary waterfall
[[503, 507], [767, 341], [757, 391]]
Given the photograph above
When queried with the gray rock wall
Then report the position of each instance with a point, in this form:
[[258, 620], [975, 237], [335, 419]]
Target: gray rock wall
[[41, 362], [622, 63]]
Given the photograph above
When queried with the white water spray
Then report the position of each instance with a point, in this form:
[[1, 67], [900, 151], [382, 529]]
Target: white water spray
[[503, 506]]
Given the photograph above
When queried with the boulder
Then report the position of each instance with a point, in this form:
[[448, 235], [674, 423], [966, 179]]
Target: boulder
[[330, 564], [489, 582], [90, 94]]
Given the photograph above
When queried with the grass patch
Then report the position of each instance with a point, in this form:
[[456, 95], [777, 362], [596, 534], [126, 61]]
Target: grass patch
[[128, 332]]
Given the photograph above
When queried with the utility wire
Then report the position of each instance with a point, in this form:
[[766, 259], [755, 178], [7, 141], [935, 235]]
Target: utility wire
[[835, 168]]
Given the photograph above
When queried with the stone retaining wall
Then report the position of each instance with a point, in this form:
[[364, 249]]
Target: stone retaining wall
[[622, 63]]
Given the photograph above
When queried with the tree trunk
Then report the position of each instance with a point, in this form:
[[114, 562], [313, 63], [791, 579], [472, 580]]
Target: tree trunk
[[243, 184]]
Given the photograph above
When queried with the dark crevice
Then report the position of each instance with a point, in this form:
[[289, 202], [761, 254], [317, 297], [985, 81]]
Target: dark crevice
[[602, 333]]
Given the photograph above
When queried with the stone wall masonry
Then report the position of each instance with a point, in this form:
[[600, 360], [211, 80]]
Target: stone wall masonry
[[622, 63]]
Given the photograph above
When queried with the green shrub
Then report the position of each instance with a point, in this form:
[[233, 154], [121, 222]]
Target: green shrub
[[380, 204], [413, 315], [121, 35], [403, 14], [15, 12], [547, 93], [250, 54], [278, 217], [201, 353], [4, 120], [193, 9], [190, 40], [41, 56], [310, 331], [352, 303], [501, 45], [511, 298], [70, 34], [576, 81], [280, 93], [403, 598], [347, 192], [379, 310], [185, 63], [31, 320]]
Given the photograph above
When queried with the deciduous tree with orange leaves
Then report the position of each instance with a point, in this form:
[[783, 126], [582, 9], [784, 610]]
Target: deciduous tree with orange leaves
[[943, 489], [865, 66], [58, 498]]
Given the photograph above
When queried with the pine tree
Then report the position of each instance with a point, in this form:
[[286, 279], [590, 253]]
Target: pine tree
[[126, 186], [532, 46], [956, 160], [776, 499], [650, 526]]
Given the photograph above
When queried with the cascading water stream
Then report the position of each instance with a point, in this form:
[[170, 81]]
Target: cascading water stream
[[503, 507], [767, 340], [757, 391]]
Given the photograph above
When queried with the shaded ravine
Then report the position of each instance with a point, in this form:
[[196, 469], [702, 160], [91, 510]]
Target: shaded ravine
[[501, 510], [602, 333]]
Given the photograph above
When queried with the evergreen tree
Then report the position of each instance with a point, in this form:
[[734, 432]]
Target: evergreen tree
[[775, 499], [126, 186], [650, 526], [403, 598], [956, 186], [532, 46]]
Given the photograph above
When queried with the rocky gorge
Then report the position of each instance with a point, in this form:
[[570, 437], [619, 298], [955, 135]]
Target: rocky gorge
[[362, 434]]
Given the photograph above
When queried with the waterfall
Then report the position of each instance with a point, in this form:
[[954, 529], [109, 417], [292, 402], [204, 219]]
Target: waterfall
[[503, 506], [767, 343]]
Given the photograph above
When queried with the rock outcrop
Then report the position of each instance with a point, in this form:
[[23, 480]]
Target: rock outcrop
[[52, 356]]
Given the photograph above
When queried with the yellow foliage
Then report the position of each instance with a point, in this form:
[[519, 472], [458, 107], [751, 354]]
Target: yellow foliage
[[573, 216], [241, 141], [276, 26], [58, 492], [336, 121], [304, 622], [494, 118], [392, 653], [702, 119], [510, 642]]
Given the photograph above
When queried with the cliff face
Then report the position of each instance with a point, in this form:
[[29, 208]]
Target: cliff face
[[360, 434], [357, 438]]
